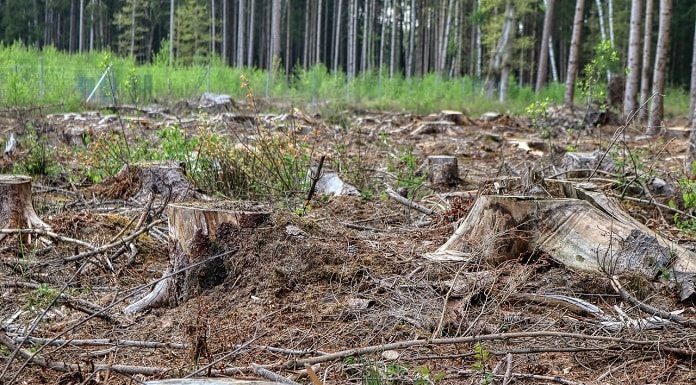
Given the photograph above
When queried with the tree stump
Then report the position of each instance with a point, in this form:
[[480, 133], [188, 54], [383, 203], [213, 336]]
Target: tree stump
[[16, 209], [443, 170], [138, 180], [198, 233]]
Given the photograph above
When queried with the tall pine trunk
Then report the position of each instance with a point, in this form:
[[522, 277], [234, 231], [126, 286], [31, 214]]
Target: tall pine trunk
[[275, 35], [171, 32], [337, 36], [411, 40], [542, 70], [647, 54], [250, 50], [661, 56], [224, 31], [629, 103], [240, 34], [574, 54], [693, 82]]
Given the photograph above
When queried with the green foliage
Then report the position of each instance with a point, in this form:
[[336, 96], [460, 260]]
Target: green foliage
[[41, 297], [192, 34], [688, 195], [404, 165], [537, 111], [40, 157], [481, 358], [593, 84]]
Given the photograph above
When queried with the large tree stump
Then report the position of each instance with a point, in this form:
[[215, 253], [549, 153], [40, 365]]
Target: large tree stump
[[443, 170], [16, 209], [198, 233], [583, 230], [138, 180]]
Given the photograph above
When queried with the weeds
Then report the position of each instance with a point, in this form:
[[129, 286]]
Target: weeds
[[40, 159], [41, 297]]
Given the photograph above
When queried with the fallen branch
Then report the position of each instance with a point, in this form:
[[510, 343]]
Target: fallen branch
[[98, 342], [642, 344], [267, 374], [556, 379], [626, 296], [50, 234], [409, 203], [111, 245]]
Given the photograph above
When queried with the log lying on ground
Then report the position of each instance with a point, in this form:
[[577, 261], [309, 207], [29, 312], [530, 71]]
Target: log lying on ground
[[138, 180], [583, 230], [199, 233], [443, 170], [16, 209]]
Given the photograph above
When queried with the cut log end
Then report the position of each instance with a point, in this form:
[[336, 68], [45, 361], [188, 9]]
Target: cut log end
[[16, 209]]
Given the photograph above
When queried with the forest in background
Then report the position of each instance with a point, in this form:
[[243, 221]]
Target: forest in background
[[494, 42]]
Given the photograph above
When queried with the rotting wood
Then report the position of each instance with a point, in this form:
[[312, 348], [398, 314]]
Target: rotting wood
[[583, 230], [16, 208], [194, 231]]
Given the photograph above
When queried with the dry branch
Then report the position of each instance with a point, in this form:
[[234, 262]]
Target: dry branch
[[99, 342], [408, 203], [267, 374], [111, 245]]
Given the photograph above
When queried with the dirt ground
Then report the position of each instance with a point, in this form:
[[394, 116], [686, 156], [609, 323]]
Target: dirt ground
[[349, 273]]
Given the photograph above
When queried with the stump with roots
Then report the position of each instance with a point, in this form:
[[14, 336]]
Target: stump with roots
[[16, 209], [443, 170], [197, 234], [138, 180]]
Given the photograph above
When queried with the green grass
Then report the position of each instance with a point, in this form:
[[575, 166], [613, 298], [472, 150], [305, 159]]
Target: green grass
[[50, 77]]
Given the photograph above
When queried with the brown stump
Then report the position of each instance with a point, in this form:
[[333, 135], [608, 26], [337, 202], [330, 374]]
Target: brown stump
[[198, 234], [16, 209], [443, 170], [138, 180]]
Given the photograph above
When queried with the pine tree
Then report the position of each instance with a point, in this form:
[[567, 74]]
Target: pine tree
[[192, 32], [134, 23]]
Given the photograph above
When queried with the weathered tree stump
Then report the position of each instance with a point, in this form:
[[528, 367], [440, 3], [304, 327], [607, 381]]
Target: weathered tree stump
[[16, 209], [138, 180], [583, 230], [76, 136], [197, 234], [443, 170]]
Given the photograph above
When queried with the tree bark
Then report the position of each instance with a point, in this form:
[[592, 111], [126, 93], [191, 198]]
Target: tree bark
[[661, 57], [383, 34], [693, 82], [317, 55], [610, 10], [212, 28], [250, 49], [574, 55], [241, 17], [443, 170], [647, 54], [445, 37], [542, 70], [392, 44], [600, 16], [479, 45], [631, 90], [82, 26], [224, 31], [275, 34], [337, 36], [171, 32], [198, 233], [16, 209]]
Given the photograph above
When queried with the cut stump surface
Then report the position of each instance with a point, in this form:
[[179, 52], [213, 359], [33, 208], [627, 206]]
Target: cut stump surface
[[197, 234], [16, 208]]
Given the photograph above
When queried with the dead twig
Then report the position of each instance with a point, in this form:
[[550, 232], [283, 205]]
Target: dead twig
[[267, 374], [626, 296], [111, 245], [508, 369], [50, 234], [408, 203], [556, 379], [638, 344], [99, 342]]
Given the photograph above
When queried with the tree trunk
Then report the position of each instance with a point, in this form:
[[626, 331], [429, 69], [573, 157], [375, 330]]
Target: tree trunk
[[631, 89], [275, 35], [600, 16], [383, 34], [132, 31], [479, 45], [365, 37], [552, 59], [392, 44], [16, 209], [574, 55], [212, 28], [445, 37], [647, 54], [71, 43], [224, 30], [81, 26], [661, 56], [288, 17], [443, 170], [691, 153], [199, 233], [542, 70], [317, 54], [250, 49], [171, 32], [610, 10], [241, 17], [506, 63], [337, 36], [693, 82]]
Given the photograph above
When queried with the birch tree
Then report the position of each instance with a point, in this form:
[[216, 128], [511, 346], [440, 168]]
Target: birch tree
[[631, 90], [542, 70], [647, 53], [275, 35], [693, 84], [240, 34], [661, 56]]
